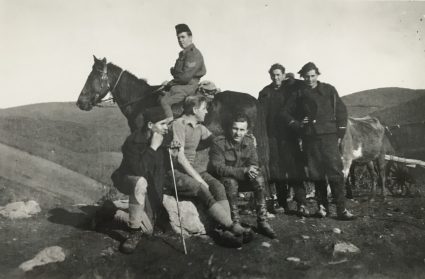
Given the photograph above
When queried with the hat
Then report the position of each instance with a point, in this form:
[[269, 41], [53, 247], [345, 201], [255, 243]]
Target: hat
[[180, 28], [154, 114], [308, 67]]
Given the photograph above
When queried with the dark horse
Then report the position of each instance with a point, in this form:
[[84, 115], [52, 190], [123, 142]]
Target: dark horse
[[134, 95]]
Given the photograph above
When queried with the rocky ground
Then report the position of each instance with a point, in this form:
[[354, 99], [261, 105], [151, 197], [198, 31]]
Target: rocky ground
[[389, 235]]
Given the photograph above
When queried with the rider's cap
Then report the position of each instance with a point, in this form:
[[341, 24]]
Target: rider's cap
[[308, 67], [154, 114], [180, 28]]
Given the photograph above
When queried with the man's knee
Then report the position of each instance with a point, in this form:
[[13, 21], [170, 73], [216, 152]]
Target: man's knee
[[231, 185], [140, 189]]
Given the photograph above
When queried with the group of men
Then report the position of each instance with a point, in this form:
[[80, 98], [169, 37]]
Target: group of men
[[309, 111]]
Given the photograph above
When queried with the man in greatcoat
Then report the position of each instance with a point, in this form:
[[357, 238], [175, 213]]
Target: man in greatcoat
[[317, 112]]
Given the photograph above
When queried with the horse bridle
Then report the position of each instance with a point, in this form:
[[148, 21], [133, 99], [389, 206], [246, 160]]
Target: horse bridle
[[105, 79]]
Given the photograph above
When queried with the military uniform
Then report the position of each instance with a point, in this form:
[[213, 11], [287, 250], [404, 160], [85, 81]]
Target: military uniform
[[187, 71], [327, 122], [286, 165], [229, 161]]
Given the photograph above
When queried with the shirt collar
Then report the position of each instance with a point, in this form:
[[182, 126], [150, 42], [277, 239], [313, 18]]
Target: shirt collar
[[230, 144], [188, 120], [189, 47]]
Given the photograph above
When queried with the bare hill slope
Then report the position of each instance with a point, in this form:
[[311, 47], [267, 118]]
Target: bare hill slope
[[86, 142], [366, 102], [47, 178]]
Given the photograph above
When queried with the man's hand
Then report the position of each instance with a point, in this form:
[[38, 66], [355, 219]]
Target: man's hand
[[174, 148], [156, 140], [252, 171]]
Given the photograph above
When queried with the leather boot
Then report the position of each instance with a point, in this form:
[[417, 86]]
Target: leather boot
[[130, 244], [263, 226]]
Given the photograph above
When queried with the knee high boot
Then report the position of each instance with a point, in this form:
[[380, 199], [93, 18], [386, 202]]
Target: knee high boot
[[263, 226]]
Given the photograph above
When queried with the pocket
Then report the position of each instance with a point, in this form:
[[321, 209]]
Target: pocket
[[230, 158]]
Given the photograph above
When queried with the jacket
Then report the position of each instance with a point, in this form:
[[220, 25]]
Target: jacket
[[228, 159], [325, 109], [190, 65]]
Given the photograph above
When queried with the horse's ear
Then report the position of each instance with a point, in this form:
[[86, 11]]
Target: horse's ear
[[95, 59], [104, 61]]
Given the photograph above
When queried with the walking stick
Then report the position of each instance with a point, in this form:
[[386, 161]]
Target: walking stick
[[177, 202]]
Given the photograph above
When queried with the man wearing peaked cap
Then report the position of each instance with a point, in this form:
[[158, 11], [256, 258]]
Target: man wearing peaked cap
[[187, 71], [141, 175], [317, 112]]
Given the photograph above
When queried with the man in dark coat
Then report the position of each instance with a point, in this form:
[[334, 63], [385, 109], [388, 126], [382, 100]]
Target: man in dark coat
[[286, 166], [141, 175], [187, 71], [234, 160], [317, 112]]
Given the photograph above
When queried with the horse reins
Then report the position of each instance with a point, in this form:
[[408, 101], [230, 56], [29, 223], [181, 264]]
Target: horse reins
[[105, 77]]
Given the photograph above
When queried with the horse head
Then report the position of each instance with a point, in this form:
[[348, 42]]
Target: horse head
[[96, 86]]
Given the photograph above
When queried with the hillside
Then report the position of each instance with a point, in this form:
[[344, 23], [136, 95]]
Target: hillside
[[63, 134], [366, 102]]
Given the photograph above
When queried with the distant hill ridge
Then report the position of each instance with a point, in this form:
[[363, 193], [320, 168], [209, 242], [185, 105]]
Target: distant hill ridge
[[366, 102]]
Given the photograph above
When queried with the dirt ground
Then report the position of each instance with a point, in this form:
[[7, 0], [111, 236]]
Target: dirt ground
[[390, 235]]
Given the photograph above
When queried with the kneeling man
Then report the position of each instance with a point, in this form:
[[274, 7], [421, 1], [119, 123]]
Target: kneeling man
[[234, 159], [141, 175]]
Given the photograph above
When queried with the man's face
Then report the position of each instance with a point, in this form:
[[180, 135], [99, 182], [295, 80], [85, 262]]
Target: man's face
[[239, 130], [310, 78], [200, 112], [277, 77], [160, 127], [184, 40]]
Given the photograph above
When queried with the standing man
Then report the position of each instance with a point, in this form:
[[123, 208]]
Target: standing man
[[187, 71], [285, 156], [317, 111], [192, 179], [141, 175], [234, 159]]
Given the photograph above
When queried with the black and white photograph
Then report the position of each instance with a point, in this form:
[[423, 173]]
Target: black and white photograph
[[212, 139]]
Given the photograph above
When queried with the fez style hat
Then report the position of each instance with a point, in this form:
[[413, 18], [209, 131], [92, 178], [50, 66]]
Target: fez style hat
[[154, 114], [180, 28], [308, 67]]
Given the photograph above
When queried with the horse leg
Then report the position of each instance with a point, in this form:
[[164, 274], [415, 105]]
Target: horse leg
[[370, 168], [350, 182], [346, 171], [381, 173]]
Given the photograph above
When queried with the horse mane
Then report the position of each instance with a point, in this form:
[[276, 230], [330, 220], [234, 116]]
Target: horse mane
[[143, 81]]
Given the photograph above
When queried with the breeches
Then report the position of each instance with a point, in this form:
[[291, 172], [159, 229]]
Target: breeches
[[177, 94], [188, 187], [140, 210], [232, 185]]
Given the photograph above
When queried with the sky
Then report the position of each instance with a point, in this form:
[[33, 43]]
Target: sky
[[47, 46]]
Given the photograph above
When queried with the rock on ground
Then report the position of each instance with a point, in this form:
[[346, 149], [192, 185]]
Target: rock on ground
[[19, 210], [190, 216], [345, 248], [47, 255]]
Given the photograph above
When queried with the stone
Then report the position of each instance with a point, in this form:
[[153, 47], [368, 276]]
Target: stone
[[266, 244], [336, 230], [20, 210], [345, 248], [293, 259], [194, 221], [47, 255]]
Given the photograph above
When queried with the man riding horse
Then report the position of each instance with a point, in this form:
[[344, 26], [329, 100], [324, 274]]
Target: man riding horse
[[187, 71]]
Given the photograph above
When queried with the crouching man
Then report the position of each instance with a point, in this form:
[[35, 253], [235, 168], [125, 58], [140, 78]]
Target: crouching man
[[234, 159], [141, 175]]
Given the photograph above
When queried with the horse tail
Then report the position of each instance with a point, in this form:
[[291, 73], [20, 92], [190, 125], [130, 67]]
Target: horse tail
[[260, 132]]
